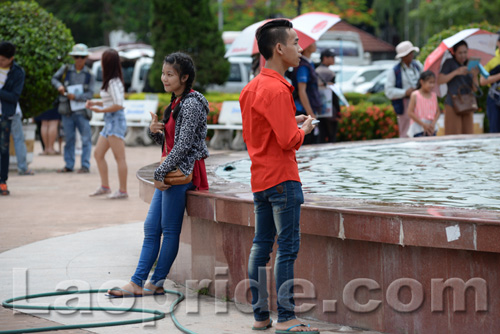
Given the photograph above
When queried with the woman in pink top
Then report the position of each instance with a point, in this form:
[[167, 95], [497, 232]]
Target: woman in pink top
[[423, 108]]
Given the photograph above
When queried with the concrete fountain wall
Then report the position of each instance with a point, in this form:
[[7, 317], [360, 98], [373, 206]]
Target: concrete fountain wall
[[391, 268]]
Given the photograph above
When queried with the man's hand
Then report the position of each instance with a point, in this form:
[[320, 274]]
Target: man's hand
[[308, 126], [161, 186], [71, 96], [300, 118], [409, 91], [61, 90], [155, 126]]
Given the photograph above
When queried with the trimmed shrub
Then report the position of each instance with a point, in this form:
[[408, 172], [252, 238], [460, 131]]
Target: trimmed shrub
[[43, 43], [367, 121]]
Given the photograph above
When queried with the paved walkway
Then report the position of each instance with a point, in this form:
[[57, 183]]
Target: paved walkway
[[53, 235]]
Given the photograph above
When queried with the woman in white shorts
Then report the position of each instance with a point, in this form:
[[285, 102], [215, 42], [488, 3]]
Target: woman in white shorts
[[113, 134]]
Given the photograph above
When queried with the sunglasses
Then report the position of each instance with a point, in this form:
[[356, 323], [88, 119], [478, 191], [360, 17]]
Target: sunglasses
[[79, 57]]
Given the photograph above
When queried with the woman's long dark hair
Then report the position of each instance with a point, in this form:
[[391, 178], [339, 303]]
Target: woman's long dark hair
[[111, 67], [183, 65]]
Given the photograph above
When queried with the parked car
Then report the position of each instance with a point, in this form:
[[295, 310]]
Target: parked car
[[375, 85], [239, 76], [350, 77]]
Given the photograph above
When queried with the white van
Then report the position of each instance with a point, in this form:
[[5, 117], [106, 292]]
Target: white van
[[347, 45], [239, 76], [134, 74]]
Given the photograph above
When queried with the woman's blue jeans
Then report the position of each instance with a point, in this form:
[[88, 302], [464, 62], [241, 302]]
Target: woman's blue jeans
[[277, 212], [165, 216]]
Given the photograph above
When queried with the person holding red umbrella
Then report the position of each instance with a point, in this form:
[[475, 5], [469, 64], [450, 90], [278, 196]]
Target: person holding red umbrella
[[459, 79]]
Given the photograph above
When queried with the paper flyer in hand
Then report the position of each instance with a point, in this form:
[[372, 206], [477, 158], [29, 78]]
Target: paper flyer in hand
[[76, 89]]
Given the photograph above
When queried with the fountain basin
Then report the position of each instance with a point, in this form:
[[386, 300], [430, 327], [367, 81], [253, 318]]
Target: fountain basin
[[394, 268]]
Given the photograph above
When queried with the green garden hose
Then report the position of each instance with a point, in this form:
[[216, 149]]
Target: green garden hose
[[157, 314]]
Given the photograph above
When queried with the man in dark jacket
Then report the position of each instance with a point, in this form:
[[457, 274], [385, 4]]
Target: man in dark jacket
[[11, 86]]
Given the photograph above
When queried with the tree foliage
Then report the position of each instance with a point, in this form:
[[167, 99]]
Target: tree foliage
[[91, 21], [191, 29], [238, 14], [43, 43]]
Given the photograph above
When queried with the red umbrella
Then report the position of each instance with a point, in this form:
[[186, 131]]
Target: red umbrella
[[481, 45]]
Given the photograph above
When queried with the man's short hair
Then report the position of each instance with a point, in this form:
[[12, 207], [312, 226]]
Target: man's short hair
[[270, 34], [7, 49], [327, 53]]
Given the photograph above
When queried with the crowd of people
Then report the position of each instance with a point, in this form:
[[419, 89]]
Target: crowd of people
[[272, 108]]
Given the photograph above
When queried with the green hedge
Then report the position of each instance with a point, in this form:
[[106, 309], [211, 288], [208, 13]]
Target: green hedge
[[370, 116]]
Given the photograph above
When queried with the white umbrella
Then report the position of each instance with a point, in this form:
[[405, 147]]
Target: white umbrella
[[313, 25], [309, 27], [245, 44]]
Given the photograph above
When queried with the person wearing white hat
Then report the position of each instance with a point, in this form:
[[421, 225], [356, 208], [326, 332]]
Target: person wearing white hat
[[401, 82], [75, 84]]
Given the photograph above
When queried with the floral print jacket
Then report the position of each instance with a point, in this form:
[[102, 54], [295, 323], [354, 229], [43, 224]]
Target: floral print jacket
[[189, 139]]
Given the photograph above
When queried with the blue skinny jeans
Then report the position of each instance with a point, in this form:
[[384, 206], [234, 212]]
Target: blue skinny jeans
[[277, 212], [165, 216]]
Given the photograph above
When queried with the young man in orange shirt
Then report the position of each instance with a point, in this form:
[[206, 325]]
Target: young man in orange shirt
[[272, 136]]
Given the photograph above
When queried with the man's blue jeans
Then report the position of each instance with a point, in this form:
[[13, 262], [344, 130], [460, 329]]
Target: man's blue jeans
[[165, 216], [277, 212], [70, 123], [493, 112], [5, 128], [19, 144]]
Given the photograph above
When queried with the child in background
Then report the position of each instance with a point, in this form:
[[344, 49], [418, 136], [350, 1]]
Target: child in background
[[423, 108]]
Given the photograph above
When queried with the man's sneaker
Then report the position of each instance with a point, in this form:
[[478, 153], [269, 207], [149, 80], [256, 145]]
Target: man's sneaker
[[118, 195], [3, 189]]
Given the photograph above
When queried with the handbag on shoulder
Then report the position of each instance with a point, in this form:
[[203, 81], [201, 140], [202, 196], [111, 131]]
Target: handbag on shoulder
[[175, 177], [464, 103]]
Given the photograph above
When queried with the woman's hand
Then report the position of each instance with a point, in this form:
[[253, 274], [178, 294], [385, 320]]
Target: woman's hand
[[155, 126], [161, 186], [462, 70]]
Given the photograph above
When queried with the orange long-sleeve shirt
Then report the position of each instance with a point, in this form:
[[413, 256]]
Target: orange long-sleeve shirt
[[270, 130]]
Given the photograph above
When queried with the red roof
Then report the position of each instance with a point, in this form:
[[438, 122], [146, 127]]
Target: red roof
[[370, 42]]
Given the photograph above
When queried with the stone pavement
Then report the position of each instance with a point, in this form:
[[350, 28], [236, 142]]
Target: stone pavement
[[52, 235]]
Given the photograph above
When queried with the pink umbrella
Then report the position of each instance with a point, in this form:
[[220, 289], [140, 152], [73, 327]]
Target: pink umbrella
[[481, 45], [309, 28]]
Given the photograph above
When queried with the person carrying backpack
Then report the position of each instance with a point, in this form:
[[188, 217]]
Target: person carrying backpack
[[75, 84]]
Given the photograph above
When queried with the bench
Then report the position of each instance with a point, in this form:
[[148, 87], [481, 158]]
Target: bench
[[229, 121], [137, 114]]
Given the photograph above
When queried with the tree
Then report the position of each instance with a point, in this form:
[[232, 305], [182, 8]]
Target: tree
[[43, 43], [438, 15], [192, 29], [91, 21]]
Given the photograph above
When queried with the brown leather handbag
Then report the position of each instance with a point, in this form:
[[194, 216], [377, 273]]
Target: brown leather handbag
[[175, 177], [464, 103]]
